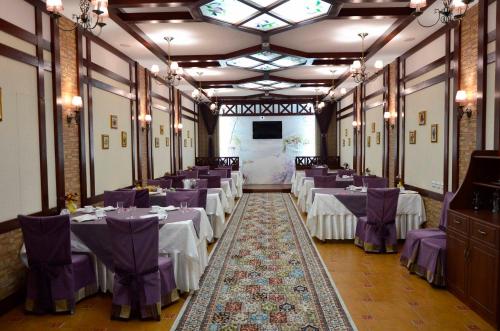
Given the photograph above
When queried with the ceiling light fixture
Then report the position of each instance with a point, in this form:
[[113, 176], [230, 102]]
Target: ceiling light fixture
[[319, 105], [452, 11], [198, 93], [358, 67], [174, 73], [88, 19], [214, 106]]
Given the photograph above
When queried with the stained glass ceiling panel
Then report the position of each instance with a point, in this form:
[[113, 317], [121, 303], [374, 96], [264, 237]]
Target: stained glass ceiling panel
[[265, 22], [266, 67], [263, 3], [266, 88], [243, 62], [301, 10], [283, 85], [230, 11], [266, 82], [290, 61], [266, 56], [249, 86]]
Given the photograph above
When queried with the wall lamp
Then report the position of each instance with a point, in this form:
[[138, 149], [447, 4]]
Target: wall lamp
[[390, 119], [76, 104], [462, 106], [145, 120], [356, 125]]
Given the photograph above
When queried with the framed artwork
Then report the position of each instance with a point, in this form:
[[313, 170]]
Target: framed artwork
[[413, 137], [377, 138], [157, 142], [422, 117], [373, 127], [345, 134], [124, 139], [188, 134], [1, 113], [343, 142], [190, 142], [105, 141], [162, 130], [113, 121], [185, 143], [167, 141], [348, 141], [369, 141], [434, 133]]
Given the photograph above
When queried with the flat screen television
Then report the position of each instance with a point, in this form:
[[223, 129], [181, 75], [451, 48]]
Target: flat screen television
[[267, 130]]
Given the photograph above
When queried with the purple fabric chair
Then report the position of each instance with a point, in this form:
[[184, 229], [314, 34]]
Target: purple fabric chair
[[112, 197], [201, 183], [374, 182], [176, 180], [228, 169], [376, 232], [222, 173], [358, 180], [202, 197], [181, 195], [202, 170], [414, 237], [191, 174], [325, 181], [143, 282], [163, 183], [345, 172], [431, 260], [141, 199], [212, 181], [316, 172], [57, 279]]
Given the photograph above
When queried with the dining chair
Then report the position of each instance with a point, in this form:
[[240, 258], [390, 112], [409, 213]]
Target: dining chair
[[212, 181], [112, 197], [316, 172], [325, 181], [162, 183]]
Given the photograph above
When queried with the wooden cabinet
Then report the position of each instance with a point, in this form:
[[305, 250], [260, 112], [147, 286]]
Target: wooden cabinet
[[473, 239]]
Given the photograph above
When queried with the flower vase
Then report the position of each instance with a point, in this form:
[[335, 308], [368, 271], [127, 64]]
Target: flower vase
[[71, 206]]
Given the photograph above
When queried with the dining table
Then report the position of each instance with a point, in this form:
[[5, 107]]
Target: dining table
[[183, 236], [335, 211], [237, 178], [298, 179], [305, 196]]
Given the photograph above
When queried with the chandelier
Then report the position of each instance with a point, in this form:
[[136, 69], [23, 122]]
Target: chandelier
[[174, 73], [88, 19], [198, 93], [452, 11], [319, 105], [358, 67], [214, 106]]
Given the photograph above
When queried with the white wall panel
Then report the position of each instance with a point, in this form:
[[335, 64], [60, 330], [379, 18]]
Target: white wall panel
[[424, 56], [161, 154], [374, 154], [108, 60], [490, 105], [49, 127], [346, 135], [18, 12], [188, 152]]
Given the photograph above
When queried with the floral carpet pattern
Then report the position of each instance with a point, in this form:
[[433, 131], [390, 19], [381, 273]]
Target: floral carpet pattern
[[265, 274]]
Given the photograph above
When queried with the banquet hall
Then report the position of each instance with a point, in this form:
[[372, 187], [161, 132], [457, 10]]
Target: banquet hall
[[249, 165]]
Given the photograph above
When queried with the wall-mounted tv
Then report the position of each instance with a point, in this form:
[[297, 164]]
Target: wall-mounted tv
[[267, 130]]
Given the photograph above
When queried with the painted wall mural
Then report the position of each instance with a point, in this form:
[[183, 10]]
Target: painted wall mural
[[267, 161]]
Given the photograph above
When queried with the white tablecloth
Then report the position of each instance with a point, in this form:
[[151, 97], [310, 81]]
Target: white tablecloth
[[178, 240], [296, 181], [226, 187], [328, 218], [216, 214], [238, 180], [307, 185]]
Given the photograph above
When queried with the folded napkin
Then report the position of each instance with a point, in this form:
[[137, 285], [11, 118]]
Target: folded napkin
[[408, 192], [171, 208], [149, 216], [108, 208], [84, 218]]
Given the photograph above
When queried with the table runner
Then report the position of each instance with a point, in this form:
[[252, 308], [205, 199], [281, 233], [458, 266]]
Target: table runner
[[354, 201], [95, 234]]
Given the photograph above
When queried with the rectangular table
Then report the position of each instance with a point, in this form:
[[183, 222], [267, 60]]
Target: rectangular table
[[298, 178], [329, 218], [238, 180], [305, 197]]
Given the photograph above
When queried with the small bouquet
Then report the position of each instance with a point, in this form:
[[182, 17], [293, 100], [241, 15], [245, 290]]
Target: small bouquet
[[71, 199]]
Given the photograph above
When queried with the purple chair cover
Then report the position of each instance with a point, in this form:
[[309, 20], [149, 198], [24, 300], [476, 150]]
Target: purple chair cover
[[345, 172], [191, 174], [377, 231], [112, 197], [316, 172], [137, 281], [413, 240], [163, 183], [358, 180], [189, 196], [228, 169], [222, 173], [56, 278], [141, 198], [202, 197], [202, 170], [375, 182], [201, 183], [212, 181], [325, 181], [431, 261], [176, 180]]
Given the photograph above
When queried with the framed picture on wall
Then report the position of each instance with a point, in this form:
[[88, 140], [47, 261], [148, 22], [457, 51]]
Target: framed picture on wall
[[1, 113], [377, 138], [345, 134], [105, 141], [422, 116], [373, 127], [188, 134], [162, 130], [185, 143], [190, 142], [343, 142], [348, 141], [113, 121], [413, 137], [124, 139], [369, 141], [167, 141], [157, 142], [434, 133]]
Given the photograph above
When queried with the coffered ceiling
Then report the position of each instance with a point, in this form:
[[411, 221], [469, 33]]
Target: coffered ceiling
[[240, 45]]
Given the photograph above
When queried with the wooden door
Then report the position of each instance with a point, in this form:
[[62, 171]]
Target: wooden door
[[456, 266]]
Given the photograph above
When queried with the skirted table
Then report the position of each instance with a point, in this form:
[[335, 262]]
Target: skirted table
[[334, 213], [305, 194]]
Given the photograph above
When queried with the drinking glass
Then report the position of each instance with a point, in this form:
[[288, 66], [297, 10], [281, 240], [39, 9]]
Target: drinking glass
[[119, 206], [184, 206], [100, 214]]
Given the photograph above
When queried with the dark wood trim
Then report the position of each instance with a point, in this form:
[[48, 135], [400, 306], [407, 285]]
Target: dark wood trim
[[149, 129], [149, 3], [189, 118], [189, 111], [133, 115], [437, 34], [179, 131], [137, 122], [385, 162], [496, 127], [108, 47], [490, 58], [158, 17], [425, 84], [397, 129], [446, 136], [107, 87], [344, 109], [374, 13], [24, 35], [373, 105], [482, 83], [426, 193], [160, 97], [81, 115], [345, 115], [90, 114], [401, 117], [425, 69], [17, 55], [455, 125], [172, 130], [103, 71]]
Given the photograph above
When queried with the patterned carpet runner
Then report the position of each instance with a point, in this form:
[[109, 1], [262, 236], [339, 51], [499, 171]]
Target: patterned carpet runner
[[265, 274]]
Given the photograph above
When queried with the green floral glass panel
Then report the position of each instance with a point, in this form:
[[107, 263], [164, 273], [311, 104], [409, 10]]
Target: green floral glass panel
[[266, 82], [230, 11], [263, 3], [266, 55], [266, 67], [243, 62], [284, 85], [249, 86], [290, 61], [301, 10], [265, 22]]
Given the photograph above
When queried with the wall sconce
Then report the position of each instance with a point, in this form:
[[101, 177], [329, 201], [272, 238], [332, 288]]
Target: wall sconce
[[76, 103], [463, 108], [356, 125], [390, 119], [145, 120]]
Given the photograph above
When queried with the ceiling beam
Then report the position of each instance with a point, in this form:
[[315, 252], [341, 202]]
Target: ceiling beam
[[373, 12], [230, 83], [150, 3], [316, 55], [157, 17], [217, 57]]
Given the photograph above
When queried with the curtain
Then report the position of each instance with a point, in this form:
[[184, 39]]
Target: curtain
[[324, 119], [210, 121]]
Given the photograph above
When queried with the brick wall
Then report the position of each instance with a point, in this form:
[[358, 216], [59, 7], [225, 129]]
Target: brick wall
[[12, 272], [392, 138], [143, 137]]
